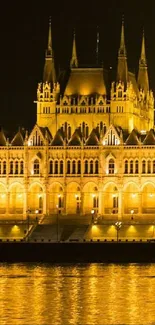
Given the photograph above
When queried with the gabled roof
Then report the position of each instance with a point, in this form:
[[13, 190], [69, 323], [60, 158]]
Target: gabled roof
[[150, 138], [76, 139], [58, 139], [92, 139], [46, 132], [18, 139], [132, 139], [116, 131], [2, 138], [42, 131]]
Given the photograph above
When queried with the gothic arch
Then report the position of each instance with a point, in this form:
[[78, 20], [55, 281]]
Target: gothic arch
[[56, 197], [73, 198]]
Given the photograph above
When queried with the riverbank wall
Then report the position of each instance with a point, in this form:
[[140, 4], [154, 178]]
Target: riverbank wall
[[77, 252]]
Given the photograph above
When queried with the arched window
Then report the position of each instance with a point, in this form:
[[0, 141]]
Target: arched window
[[21, 167], [36, 167], [16, 167], [61, 167], [51, 167], [79, 167], [73, 167], [91, 167], [126, 167], [149, 167], [111, 167], [119, 92], [56, 167], [4, 167], [11, 167], [96, 167], [68, 167], [136, 167], [86, 167], [153, 166], [131, 166], [143, 166]]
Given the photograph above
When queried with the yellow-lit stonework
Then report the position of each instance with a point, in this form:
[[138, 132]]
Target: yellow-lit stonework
[[92, 150]]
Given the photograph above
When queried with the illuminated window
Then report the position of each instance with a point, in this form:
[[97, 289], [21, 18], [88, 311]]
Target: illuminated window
[[11, 167], [79, 167], [153, 166], [56, 167], [36, 167], [111, 167], [119, 93], [61, 167], [96, 167], [74, 167], [21, 167], [16, 167], [143, 166], [51, 167], [136, 167], [86, 167], [0, 167], [126, 167], [91, 167], [68, 167], [131, 167], [149, 167], [4, 167]]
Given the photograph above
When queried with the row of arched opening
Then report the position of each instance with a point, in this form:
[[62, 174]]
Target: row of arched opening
[[73, 199]]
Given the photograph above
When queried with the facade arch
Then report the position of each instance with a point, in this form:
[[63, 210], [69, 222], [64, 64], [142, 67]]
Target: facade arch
[[56, 198], [110, 198], [131, 201], [16, 198], [73, 198], [35, 198], [148, 198], [3, 198], [90, 198]]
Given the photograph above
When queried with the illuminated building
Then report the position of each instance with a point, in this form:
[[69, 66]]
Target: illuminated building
[[92, 148]]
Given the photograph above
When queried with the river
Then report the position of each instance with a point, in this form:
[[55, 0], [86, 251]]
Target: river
[[82, 294]]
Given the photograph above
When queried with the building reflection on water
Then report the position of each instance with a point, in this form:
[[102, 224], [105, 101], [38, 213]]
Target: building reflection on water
[[77, 294]]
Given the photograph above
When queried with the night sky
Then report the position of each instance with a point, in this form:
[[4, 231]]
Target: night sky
[[23, 40]]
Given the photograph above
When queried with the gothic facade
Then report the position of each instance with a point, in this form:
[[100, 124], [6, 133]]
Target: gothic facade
[[92, 150]]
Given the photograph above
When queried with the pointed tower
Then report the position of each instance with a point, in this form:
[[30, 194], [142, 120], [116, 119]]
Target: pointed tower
[[122, 67], [143, 80], [49, 68], [74, 60]]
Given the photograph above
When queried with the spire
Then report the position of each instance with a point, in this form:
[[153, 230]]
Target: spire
[[122, 68], [97, 46], [74, 60], [122, 49], [49, 47], [143, 80], [49, 69]]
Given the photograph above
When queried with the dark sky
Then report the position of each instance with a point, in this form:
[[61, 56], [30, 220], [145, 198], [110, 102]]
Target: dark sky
[[23, 40]]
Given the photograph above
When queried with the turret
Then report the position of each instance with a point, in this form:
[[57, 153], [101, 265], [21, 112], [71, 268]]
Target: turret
[[122, 67], [143, 81]]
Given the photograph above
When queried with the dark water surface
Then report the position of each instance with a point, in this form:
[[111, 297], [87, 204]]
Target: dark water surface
[[38, 294]]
